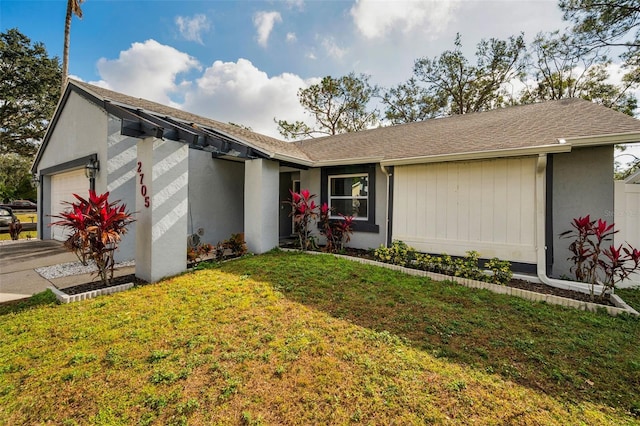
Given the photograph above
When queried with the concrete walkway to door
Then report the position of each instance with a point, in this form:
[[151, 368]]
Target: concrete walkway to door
[[20, 259]]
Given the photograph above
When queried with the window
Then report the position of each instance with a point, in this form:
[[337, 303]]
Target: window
[[349, 195], [351, 190]]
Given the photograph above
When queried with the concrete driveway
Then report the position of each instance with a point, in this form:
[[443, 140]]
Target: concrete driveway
[[18, 259]]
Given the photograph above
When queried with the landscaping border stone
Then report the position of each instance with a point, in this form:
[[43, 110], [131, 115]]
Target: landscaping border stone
[[66, 298]]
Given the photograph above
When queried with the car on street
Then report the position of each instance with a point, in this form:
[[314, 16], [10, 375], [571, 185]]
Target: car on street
[[21, 205], [6, 218]]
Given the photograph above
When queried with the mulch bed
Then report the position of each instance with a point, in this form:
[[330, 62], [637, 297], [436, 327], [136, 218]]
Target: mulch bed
[[569, 294], [99, 285]]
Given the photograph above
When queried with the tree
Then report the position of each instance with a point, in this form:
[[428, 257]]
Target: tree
[[29, 92], [15, 178], [338, 105], [605, 22], [408, 102], [562, 68], [608, 23], [73, 8], [462, 87]]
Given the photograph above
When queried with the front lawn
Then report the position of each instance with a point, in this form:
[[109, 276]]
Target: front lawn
[[288, 338]]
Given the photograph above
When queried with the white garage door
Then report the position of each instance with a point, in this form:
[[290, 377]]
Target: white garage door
[[63, 186]]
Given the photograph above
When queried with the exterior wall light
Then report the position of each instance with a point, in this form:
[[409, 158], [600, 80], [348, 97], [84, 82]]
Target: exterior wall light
[[91, 170]]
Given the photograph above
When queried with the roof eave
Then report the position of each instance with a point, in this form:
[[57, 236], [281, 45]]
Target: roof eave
[[47, 135], [348, 161], [292, 159], [606, 139], [479, 155]]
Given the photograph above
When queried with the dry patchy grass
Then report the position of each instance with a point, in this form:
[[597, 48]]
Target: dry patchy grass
[[276, 339]]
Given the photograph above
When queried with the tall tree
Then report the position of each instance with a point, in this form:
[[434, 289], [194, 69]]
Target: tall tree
[[464, 87], [73, 8], [562, 68], [408, 102], [610, 23], [15, 178], [29, 91], [338, 105]]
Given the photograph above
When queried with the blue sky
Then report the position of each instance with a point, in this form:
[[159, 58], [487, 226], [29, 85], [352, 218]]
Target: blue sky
[[244, 61]]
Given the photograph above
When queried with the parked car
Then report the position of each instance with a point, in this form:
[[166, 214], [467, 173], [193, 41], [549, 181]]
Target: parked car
[[6, 218], [21, 205]]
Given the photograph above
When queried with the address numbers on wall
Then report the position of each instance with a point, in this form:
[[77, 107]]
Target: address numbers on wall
[[143, 187]]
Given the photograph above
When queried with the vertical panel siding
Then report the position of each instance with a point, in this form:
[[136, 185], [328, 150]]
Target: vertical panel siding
[[487, 206], [627, 220]]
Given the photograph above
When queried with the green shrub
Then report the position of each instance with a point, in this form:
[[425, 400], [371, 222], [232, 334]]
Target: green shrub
[[398, 254], [501, 271], [468, 267]]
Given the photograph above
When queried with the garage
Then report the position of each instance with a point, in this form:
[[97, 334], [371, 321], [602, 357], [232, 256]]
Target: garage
[[63, 186]]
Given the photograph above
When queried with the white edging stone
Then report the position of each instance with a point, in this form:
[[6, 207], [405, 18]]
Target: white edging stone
[[621, 306], [68, 298]]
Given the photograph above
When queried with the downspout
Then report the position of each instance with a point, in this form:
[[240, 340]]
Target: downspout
[[541, 244], [386, 209]]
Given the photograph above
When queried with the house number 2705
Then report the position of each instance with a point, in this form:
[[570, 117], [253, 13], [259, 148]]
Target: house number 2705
[[143, 187]]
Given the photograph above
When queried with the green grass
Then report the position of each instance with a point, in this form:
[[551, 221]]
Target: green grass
[[288, 338], [631, 296], [27, 217]]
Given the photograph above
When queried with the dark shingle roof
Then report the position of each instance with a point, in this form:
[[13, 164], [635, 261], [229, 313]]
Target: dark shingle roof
[[523, 126]]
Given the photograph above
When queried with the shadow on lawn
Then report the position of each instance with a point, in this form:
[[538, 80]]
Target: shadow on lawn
[[570, 354]]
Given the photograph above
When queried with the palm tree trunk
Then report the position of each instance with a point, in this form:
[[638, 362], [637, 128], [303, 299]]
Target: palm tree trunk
[[67, 34]]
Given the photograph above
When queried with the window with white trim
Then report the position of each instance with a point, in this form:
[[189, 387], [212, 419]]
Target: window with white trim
[[349, 195], [351, 190]]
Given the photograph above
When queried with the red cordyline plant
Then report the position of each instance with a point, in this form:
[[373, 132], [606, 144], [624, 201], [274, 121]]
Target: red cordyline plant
[[337, 231], [593, 261], [304, 211], [96, 226]]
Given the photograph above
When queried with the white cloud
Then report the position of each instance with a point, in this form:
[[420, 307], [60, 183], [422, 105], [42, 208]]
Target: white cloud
[[311, 55], [298, 4], [147, 70], [192, 28], [239, 92], [291, 37], [376, 18], [264, 22], [235, 92], [332, 49]]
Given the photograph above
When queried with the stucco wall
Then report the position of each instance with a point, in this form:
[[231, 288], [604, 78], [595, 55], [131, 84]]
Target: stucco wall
[[582, 184], [310, 179], [262, 179], [120, 169], [80, 131], [216, 190]]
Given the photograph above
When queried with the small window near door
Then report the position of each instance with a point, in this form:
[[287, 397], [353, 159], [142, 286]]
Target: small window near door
[[349, 195], [351, 191]]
